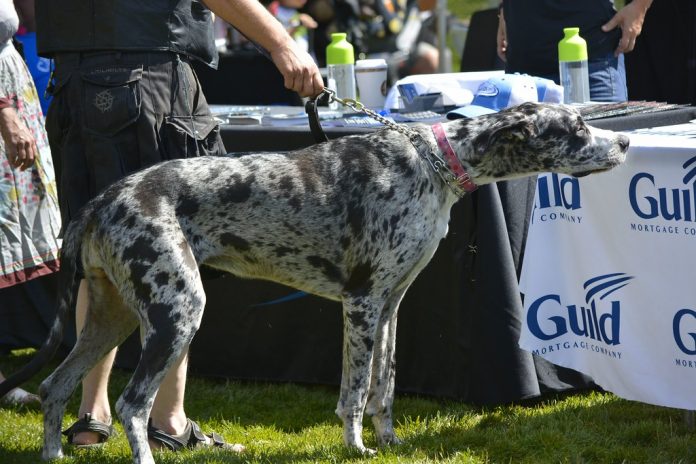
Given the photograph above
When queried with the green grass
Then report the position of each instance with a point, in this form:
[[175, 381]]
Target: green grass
[[463, 9], [295, 424]]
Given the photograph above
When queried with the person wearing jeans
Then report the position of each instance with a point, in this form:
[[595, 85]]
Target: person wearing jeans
[[529, 32]]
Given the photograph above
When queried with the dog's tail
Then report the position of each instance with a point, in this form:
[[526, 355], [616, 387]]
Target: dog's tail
[[68, 283]]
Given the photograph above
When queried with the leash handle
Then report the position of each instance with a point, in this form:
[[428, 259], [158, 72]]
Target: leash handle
[[312, 110]]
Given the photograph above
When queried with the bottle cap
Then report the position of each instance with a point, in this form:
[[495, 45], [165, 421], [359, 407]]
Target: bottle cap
[[572, 47], [339, 51]]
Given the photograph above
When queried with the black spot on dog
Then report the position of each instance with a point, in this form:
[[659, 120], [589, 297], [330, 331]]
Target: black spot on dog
[[295, 203], [356, 218], [119, 213], [143, 290], [357, 319], [462, 133], [231, 240], [360, 280], [283, 251], [153, 230], [286, 184], [328, 268], [161, 278], [187, 205], [237, 191]]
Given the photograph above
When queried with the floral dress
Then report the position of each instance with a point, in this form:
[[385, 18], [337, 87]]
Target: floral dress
[[29, 215]]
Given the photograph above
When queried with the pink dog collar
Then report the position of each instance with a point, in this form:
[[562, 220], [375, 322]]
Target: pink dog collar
[[462, 177]]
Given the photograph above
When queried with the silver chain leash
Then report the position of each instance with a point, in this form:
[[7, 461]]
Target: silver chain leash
[[436, 163], [360, 108]]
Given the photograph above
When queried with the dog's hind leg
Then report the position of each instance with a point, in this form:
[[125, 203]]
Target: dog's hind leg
[[107, 324], [381, 394], [170, 320], [360, 315]]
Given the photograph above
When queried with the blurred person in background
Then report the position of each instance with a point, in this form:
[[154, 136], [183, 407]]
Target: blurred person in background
[[29, 216]]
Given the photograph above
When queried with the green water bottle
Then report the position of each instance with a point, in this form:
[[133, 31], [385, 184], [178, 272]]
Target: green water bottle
[[340, 62], [572, 61]]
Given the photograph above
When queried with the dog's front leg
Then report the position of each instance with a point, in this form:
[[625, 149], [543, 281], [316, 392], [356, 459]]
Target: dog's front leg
[[359, 323], [381, 394]]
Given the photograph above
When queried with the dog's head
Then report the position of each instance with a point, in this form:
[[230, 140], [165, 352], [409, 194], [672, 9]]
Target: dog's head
[[532, 138]]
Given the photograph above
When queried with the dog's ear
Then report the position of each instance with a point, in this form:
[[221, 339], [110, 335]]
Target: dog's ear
[[508, 131]]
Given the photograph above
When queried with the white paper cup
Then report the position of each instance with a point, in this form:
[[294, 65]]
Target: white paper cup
[[371, 77]]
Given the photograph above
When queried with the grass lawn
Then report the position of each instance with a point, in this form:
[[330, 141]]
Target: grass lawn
[[290, 423]]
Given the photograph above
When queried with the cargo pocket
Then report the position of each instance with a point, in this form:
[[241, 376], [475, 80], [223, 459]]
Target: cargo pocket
[[111, 106], [112, 99], [189, 136]]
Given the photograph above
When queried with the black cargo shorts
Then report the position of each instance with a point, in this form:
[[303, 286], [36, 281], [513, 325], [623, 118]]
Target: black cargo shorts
[[114, 113]]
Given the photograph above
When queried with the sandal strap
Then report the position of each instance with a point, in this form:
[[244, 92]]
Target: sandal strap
[[191, 437], [88, 424], [172, 442], [199, 438], [217, 440]]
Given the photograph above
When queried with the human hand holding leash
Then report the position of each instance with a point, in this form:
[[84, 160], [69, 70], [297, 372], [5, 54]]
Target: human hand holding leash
[[299, 70], [254, 21]]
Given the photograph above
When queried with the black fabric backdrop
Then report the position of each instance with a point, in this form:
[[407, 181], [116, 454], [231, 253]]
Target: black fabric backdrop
[[458, 324]]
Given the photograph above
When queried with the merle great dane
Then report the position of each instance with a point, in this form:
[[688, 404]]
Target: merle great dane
[[353, 220]]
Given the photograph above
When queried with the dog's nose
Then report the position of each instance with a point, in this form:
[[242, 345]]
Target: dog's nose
[[623, 142]]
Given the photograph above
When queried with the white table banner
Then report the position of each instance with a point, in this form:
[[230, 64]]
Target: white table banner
[[609, 273]]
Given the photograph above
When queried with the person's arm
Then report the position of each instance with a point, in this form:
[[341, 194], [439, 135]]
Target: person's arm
[[20, 146], [630, 19], [501, 37], [25, 10], [299, 70]]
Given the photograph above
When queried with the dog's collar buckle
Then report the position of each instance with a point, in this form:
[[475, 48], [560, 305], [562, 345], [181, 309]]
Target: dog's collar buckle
[[459, 174]]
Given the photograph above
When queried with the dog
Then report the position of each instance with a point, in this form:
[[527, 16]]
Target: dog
[[353, 220]]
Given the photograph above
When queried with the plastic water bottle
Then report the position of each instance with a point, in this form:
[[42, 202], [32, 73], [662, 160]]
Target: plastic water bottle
[[340, 64], [572, 61]]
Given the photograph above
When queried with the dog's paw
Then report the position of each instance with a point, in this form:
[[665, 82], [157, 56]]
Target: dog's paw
[[51, 455], [389, 439], [367, 452]]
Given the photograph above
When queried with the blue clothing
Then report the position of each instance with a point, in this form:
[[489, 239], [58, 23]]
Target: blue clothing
[[40, 68], [534, 28], [608, 79]]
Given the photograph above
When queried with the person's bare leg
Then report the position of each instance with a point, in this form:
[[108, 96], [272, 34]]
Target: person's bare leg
[[167, 412], [168, 409], [95, 398]]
